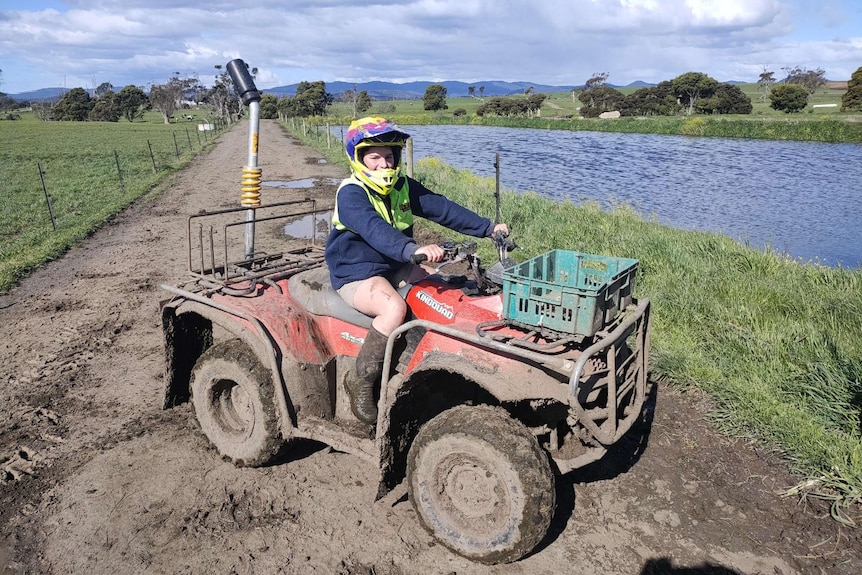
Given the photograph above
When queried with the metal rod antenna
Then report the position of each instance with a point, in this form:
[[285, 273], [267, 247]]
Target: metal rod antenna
[[499, 214], [245, 88]]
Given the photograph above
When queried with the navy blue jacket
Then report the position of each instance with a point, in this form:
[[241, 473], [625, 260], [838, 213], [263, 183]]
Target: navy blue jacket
[[374, 247]]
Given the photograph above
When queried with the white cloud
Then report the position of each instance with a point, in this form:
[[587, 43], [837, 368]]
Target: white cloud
[[560, 42]]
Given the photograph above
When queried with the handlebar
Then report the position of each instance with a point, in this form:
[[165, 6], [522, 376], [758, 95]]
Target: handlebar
[[451, 252]]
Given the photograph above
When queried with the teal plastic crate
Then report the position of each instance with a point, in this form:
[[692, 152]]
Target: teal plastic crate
[[569, 292]]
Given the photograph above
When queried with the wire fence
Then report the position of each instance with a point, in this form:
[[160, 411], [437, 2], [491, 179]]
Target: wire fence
[[55, 194]]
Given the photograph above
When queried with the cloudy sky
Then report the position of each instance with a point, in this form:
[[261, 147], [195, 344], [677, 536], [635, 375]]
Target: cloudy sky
[[83, 43]]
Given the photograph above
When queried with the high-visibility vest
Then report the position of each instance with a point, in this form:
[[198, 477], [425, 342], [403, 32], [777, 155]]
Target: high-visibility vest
[[397, 213]]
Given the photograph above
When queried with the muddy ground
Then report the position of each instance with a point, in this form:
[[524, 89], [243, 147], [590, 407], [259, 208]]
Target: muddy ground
[[96, 478]]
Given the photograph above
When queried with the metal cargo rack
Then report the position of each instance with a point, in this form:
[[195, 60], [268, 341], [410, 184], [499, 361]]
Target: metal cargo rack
[[220, 263]]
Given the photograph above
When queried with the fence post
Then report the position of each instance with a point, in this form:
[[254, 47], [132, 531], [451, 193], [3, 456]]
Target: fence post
[[409, 159], [120, 172], [189, 138], [47, 197], [176, 147], [328, 137], [152, 157]]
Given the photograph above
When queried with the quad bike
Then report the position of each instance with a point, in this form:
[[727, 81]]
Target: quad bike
[[497, 379]]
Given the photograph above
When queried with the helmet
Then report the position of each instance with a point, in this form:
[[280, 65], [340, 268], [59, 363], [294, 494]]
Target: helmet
[[374, 131]]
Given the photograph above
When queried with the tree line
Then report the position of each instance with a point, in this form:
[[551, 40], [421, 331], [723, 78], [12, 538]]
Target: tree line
[[696, 92], [689, 93]]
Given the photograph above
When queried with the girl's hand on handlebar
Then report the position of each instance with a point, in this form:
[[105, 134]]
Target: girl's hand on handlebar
[[432, 252], [500, 229]]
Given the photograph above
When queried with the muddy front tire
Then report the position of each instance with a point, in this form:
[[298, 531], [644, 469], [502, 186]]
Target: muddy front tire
[[233, 399], [481, 484]]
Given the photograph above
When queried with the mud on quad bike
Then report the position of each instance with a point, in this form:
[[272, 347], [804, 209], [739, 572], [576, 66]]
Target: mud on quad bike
[[475, 408], [495, 379]]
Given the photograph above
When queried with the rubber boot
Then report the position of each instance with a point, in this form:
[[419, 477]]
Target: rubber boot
[[362, 382]]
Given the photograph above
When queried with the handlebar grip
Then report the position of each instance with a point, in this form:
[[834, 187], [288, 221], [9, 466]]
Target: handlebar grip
[[418, 258]]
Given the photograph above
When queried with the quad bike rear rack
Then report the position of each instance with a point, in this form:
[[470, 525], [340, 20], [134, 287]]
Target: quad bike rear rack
[[214, 269]]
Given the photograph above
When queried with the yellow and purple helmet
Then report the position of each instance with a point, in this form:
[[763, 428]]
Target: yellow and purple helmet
[[369, 132]]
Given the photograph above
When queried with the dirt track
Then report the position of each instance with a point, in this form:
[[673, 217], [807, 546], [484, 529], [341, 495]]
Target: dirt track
[[96, 478]]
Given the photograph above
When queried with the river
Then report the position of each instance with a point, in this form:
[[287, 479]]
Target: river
[[800, 198]]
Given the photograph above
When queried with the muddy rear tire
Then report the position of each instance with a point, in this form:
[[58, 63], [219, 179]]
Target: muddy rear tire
[[481, 484], [232, 395]]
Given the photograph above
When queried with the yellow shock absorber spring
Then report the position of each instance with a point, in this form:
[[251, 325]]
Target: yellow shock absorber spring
[[250, 186]]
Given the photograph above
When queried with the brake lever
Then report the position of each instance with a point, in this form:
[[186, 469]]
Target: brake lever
[[455, 253]]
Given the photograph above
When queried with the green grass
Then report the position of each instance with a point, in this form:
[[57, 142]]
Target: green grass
[[79, 167], [775, 342]]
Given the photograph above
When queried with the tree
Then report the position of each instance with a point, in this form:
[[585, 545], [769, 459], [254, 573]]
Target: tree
[[808, 79], [105, 109], [435, 98], [597, 79], [43, 110], [7, 102], [691, 86], [788, 98], [726, 99], [222, 98], [600, 99], [363, 102], [131, 102], [359, 101], [312, 99], [75, 105], [852, 98], [167, 98], [767, 79], [103, 89], [285, 107], [658, 100], [534, 104], [268, 106]]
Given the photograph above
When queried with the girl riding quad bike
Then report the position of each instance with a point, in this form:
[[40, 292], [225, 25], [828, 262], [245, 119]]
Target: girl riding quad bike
[[371, 244], [490, 387]]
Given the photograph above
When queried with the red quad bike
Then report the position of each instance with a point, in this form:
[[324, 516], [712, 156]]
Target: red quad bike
[[493, 380]]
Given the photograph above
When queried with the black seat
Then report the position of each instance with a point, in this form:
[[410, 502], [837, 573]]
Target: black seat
[[313, 291]]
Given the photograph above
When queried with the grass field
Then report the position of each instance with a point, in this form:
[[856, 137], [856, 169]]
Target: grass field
[[82, 164]]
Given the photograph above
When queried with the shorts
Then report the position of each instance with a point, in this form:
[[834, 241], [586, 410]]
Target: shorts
[[406, 274]]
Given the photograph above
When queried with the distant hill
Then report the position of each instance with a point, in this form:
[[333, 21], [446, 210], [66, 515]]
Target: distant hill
[[390, 90], [416, 90], [39, 95]]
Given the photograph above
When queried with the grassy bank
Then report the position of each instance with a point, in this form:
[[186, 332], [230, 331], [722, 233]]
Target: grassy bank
[[774, 342], [846, 129], [91, 170]]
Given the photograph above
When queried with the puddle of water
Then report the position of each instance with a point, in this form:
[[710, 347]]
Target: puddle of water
[[312, 226], [300, 184]]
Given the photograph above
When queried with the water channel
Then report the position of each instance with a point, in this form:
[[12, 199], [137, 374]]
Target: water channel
[[800, 198]]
